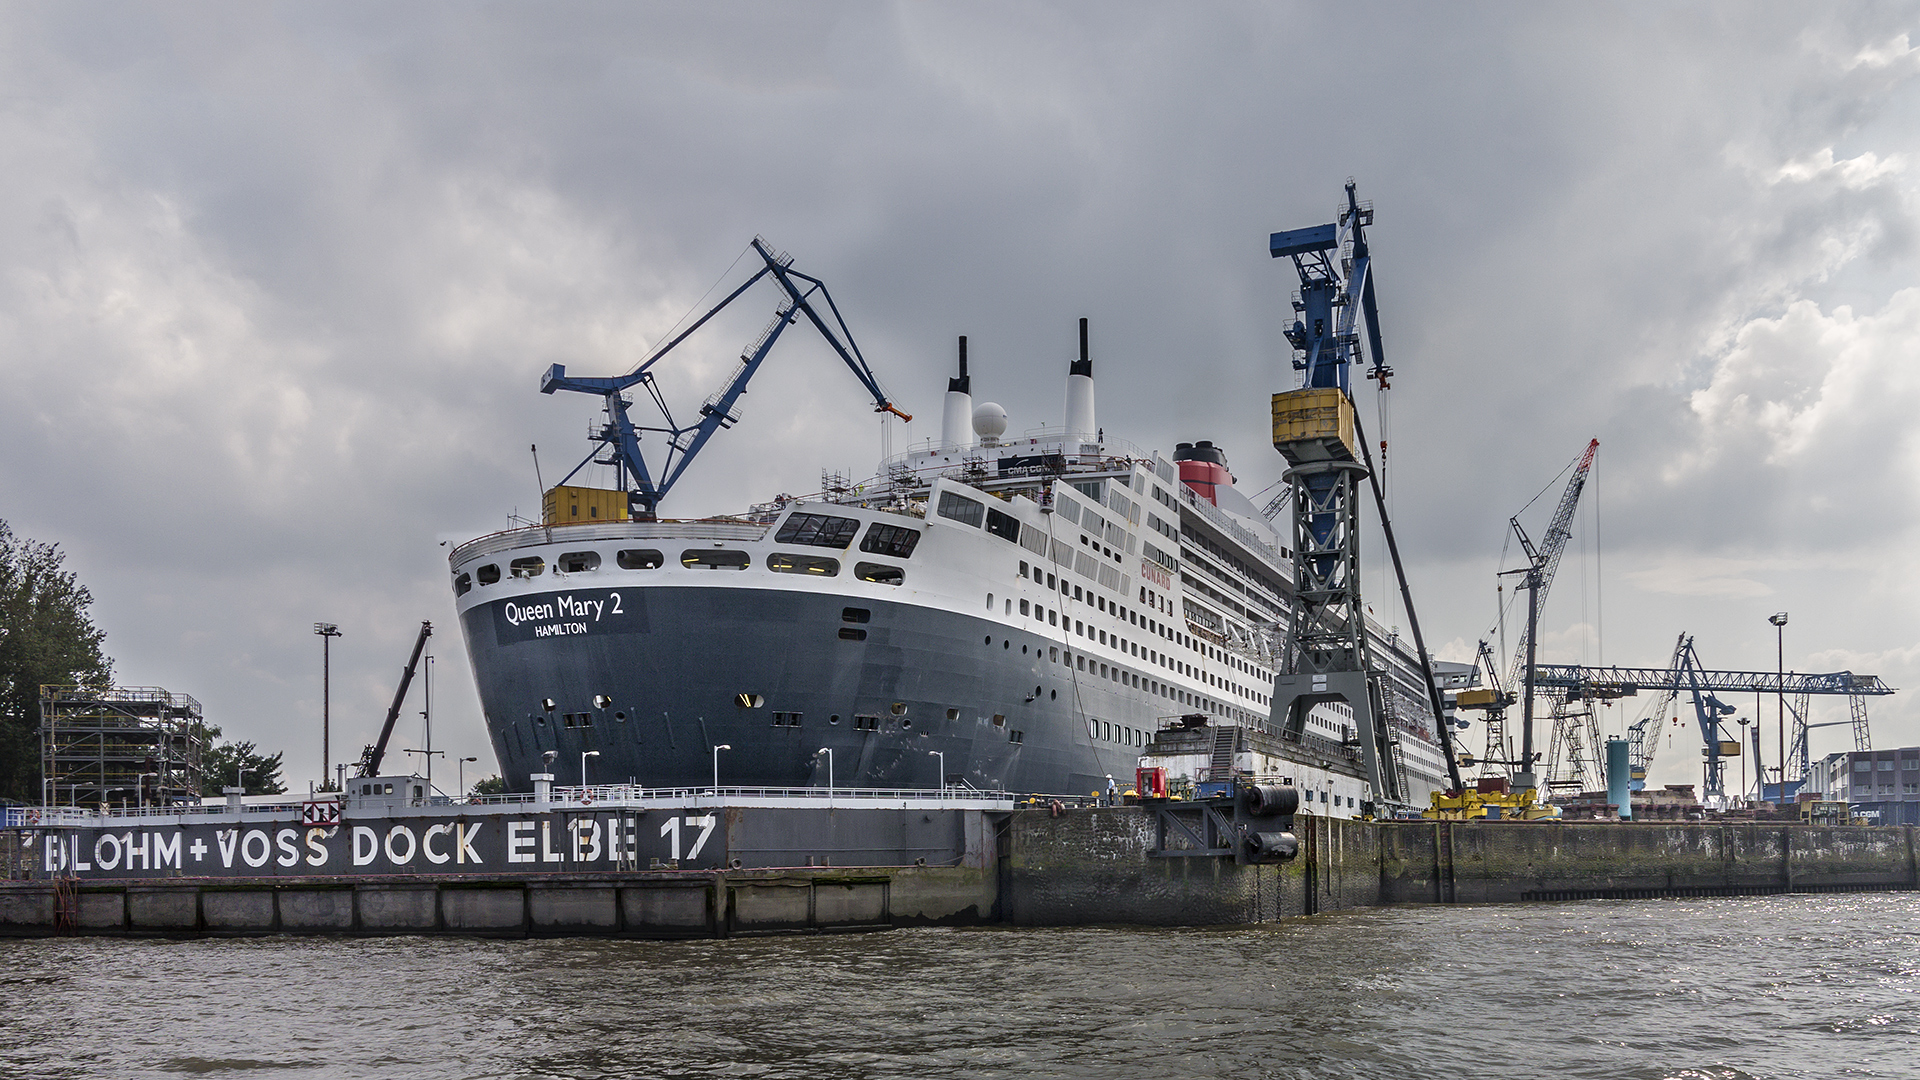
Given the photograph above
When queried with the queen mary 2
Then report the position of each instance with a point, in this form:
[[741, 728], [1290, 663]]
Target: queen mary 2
[[1019, 614]]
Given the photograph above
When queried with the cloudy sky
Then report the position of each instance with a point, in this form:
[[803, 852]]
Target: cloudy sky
[[277, 283]]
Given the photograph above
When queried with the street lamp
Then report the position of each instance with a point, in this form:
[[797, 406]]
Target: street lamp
[[327, 632], [943, 768], [463, 774], [1779, 621], [716, 765], [584, 755], [827, 751], [1743, 758]]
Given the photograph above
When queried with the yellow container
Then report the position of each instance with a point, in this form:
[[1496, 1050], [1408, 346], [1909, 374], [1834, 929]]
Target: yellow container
[[564, 504], [1314, 424], [1475, 699]]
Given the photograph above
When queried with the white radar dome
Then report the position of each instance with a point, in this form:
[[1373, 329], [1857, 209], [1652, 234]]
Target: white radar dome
[[989, 420]]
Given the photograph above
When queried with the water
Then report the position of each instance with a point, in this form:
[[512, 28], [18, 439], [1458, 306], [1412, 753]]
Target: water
[[1791, 986]]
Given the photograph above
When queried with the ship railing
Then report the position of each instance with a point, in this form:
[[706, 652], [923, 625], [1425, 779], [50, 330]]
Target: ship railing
[[21, 817], [631, 794], [510, 539], [1220, 520]]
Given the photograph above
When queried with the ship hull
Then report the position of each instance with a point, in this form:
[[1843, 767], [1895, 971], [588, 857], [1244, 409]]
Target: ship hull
[[776, 676]]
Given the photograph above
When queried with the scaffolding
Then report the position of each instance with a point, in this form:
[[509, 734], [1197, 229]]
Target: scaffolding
[[124, 746]]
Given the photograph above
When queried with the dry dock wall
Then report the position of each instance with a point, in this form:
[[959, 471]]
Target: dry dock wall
[[1495, 862], [644, 905], [1104, 865], [1097, 866]]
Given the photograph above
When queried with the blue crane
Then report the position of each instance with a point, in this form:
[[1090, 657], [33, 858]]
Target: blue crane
[[1687, 675], [621, 437], [1328, 657]]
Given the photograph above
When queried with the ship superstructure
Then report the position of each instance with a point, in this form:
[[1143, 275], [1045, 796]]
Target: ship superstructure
[[1022, 614]]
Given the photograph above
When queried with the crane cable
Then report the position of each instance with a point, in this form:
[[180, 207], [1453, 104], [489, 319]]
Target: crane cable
[[697, 305]]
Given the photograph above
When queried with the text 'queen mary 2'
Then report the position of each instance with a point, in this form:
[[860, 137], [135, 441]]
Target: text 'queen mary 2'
[[1024, 614]]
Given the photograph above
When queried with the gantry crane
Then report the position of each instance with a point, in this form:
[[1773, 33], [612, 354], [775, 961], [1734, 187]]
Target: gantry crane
[[621, 437], [1710, 712]]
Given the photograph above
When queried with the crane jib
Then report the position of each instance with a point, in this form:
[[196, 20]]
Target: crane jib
[[800, 297]]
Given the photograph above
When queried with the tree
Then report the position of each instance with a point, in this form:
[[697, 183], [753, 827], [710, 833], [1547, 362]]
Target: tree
[[46, 637], [224, 761], [492, 785]]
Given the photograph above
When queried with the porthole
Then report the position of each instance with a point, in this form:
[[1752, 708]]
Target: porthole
[[907, 723], [1006, 644], [578, 562], [639, 559], [749, 701], [601, 701], [620, 716], [834, 719], [989, 639], [899, 708], [953, 714], [714, 559], [1053, 695]]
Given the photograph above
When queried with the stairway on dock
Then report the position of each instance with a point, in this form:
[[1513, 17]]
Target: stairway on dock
[[1226, 740]]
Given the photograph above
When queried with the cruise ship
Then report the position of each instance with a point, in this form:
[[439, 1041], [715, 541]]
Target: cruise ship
[[1038, 614]]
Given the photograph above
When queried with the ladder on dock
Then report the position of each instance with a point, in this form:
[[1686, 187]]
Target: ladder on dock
[[1226, 740]]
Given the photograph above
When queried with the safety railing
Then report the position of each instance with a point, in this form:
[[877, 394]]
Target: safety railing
[[510, 539]]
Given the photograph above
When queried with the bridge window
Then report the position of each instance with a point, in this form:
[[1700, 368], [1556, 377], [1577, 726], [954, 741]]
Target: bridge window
[[1004, 526], [818, 530], [893, 540], [639, 559], [488, 574], [961, 509], [531, 566], [462, 584]]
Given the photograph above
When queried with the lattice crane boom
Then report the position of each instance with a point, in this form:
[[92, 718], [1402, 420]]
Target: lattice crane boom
[[1645, 734], [683, 443], [1546, 560]]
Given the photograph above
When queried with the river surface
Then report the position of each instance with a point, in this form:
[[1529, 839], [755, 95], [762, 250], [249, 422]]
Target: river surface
[[1712, 989]]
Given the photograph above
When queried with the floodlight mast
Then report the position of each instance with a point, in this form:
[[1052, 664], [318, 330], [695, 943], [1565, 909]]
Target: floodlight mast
[[622, 438]]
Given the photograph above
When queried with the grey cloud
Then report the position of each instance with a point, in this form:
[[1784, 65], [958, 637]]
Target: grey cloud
[[279, 281]]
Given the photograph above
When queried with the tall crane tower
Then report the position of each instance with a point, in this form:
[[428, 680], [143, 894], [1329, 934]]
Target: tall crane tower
[[1536, 578], [1328, 656]]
